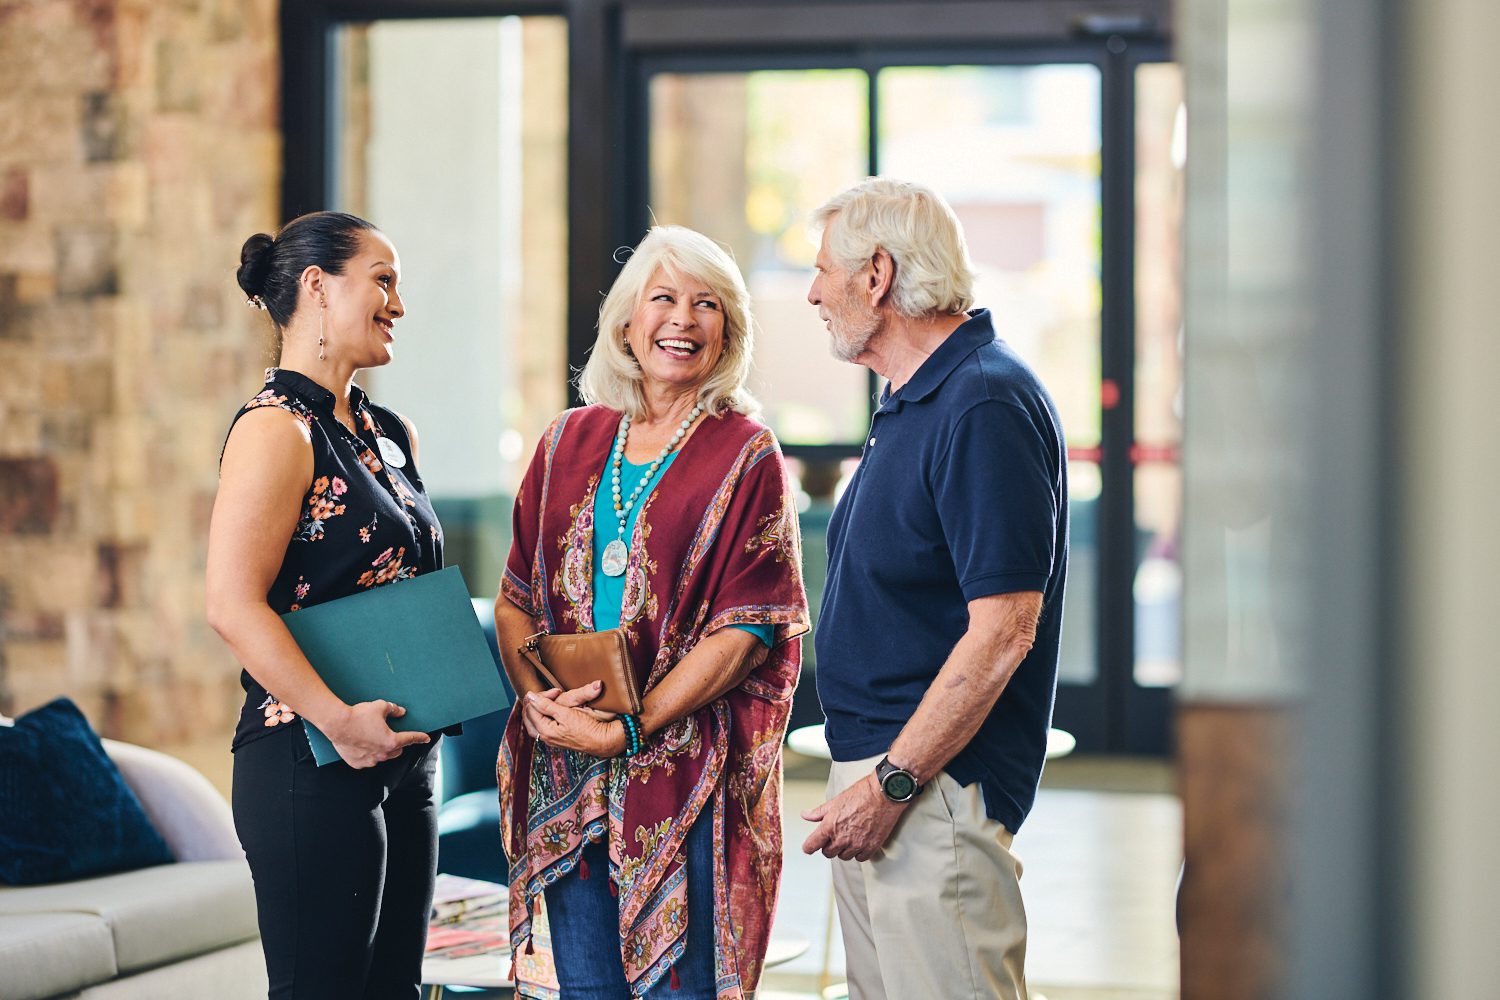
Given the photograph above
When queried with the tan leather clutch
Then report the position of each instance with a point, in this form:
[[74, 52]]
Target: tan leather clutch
[[573, 660]]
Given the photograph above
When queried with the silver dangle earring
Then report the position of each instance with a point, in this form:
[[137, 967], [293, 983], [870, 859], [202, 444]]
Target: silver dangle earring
[[321, 312]]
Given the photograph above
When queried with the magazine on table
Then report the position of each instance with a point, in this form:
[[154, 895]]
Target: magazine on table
[[481, 936], [456, 898]]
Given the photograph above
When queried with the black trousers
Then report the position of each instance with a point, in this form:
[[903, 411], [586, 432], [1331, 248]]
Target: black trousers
[[344, 863]]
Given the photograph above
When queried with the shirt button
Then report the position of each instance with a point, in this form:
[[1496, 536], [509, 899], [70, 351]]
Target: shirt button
[[872, 442]]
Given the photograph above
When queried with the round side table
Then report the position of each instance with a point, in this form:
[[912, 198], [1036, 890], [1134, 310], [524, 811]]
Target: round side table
[[811, 742]]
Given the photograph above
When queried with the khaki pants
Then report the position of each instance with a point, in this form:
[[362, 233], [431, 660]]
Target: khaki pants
[[937, 915]]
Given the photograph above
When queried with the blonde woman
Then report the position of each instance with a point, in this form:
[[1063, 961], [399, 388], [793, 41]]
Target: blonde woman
[[662, 507]]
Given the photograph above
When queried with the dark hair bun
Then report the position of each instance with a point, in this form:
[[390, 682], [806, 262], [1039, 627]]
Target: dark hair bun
[[255, 264], [271, 269]]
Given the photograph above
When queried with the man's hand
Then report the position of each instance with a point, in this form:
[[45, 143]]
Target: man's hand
[[855, 824]]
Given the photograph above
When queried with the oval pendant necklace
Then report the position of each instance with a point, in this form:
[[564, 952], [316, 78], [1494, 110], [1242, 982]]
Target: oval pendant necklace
[[616, 555]]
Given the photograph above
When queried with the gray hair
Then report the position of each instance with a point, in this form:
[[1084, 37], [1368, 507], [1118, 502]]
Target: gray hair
[[612, 376], [917, 228]]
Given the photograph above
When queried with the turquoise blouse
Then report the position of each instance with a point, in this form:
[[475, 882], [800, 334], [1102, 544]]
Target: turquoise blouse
[[609, 591]]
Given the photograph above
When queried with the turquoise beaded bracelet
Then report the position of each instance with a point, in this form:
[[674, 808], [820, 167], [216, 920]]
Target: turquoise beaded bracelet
[[633, 742]]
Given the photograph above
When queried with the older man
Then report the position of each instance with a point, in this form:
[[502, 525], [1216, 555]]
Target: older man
[[937, 642]]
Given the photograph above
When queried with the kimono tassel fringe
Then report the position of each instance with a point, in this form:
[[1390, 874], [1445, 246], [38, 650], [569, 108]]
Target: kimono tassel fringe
[[531, 937]]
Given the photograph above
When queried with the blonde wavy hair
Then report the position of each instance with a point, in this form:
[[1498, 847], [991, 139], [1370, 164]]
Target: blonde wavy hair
[[613, 378], [917, 228]]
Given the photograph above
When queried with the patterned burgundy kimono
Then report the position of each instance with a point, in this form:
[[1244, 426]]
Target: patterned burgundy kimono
[[715, 544]]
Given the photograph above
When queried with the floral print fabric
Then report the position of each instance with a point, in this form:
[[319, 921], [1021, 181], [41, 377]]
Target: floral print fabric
[[364, 523]]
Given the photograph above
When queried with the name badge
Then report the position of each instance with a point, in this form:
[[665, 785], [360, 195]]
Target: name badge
[[392, 453]]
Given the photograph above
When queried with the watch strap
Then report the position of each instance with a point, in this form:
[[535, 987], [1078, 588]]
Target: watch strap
[[885, 769]]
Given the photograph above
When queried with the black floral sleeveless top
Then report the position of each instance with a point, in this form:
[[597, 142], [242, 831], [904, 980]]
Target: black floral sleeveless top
[[366, 519]]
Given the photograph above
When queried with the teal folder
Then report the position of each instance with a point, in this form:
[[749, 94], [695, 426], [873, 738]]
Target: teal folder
[[414, 642]]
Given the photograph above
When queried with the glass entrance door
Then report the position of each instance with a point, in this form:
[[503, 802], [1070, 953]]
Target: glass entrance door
[[1024, 151], [1016, 150]]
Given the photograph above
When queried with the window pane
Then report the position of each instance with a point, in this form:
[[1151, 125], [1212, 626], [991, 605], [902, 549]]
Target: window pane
[[1016, 151], [1161, 119], [1160, 143], [1078, 655], [1157, 587], [745, 158], [471, 191]]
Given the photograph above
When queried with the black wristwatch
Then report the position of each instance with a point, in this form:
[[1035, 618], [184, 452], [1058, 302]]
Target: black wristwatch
[[898, 784]]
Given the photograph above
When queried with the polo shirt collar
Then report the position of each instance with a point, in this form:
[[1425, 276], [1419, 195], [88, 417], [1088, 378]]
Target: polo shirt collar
[[970, 335], [312, 392]]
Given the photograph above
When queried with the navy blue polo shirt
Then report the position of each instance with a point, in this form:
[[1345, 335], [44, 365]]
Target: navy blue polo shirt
[[961, 493]]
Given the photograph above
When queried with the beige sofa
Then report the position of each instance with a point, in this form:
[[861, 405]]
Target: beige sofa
[[181, 930]]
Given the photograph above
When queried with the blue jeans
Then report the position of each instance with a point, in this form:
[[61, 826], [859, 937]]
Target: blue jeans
[[585, 921]]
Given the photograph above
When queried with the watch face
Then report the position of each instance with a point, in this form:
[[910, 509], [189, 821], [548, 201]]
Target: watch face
[[899, 786]]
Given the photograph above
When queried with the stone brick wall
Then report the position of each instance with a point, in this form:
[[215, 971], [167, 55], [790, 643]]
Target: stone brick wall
[[138, 147]]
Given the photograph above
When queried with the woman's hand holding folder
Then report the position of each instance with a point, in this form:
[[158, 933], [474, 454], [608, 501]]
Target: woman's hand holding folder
[[363, 738]]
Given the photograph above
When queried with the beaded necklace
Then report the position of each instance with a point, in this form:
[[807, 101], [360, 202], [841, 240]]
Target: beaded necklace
[[616, 555]]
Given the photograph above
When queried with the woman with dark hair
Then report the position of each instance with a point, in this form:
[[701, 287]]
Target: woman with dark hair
[[319, 498]]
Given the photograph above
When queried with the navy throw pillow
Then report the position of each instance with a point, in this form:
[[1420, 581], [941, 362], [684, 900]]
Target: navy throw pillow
[[65, 811]]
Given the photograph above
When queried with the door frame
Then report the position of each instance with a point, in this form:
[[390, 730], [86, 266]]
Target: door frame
[[1112, 713]]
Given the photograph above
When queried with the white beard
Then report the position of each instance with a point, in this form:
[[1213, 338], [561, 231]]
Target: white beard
[[846, 344]]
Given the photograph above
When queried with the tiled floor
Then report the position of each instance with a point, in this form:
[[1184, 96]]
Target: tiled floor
[[1101, 849], [1100, 880]]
